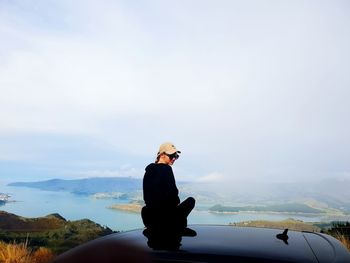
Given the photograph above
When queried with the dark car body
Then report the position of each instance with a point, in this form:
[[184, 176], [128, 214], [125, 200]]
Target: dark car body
[[214, 244]]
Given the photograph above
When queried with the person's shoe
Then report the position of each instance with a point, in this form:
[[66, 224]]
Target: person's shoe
[[188, 232]]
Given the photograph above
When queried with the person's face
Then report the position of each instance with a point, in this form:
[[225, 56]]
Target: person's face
[[171, 158]]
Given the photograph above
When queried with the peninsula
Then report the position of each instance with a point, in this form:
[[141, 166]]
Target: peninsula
[[131, 207]]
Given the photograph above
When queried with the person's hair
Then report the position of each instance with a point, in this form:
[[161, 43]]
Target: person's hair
[[158, 157]]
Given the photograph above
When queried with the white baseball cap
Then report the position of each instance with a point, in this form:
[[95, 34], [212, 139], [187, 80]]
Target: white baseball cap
[[167, 148]]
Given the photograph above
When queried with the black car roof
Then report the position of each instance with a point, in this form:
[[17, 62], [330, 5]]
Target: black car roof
[[240, 242], [214, 243]]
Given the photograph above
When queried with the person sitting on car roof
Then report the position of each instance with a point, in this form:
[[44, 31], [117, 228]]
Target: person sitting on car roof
[[163, 209]]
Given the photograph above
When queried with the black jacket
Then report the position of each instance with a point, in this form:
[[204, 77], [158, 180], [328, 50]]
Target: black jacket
[[159, 188]]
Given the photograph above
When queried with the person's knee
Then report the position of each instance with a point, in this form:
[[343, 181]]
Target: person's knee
[[191, 202]]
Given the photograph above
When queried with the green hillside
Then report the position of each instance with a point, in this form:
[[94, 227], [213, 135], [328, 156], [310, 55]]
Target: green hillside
[[52, 231]]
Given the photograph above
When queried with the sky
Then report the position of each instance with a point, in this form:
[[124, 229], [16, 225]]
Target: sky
[[247, 90]]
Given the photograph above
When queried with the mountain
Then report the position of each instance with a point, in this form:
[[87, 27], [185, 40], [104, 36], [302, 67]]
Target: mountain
[[283, 208], [324, 194], [289, 223], [51, 231], [86, 186]]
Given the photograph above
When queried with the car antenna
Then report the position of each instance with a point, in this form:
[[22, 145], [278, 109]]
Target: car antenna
[[283, 236]]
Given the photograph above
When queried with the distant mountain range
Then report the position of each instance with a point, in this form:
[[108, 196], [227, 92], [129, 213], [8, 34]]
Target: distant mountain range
[[324, 194], [282, 208], [86, 186]]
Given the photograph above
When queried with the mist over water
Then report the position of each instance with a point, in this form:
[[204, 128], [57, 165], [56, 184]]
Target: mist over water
[[32, 202], [260, 192]]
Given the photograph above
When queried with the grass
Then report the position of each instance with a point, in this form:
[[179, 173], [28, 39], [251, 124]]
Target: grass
[[342, 238], [341, 231], [21, 253]]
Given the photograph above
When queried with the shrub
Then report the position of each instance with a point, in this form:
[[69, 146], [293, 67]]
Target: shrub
[[42, 255], [14, 253], [343, 239]]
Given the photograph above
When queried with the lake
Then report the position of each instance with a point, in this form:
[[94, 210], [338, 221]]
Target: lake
[[32, 202]]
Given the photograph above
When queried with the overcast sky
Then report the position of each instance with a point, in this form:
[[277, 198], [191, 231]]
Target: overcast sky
[[248, 90]]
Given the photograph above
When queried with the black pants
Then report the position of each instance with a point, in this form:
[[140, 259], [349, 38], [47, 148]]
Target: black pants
[[164, 217]]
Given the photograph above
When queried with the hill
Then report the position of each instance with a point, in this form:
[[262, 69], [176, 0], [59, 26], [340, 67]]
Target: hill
[[88, 186], [52, 231], [291, 224], [11, 222], [281, 208], [326, 197]]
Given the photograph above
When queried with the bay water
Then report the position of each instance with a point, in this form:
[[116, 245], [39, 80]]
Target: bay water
[[31, 202]]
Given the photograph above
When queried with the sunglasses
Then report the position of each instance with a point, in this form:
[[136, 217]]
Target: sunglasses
[[173, 156]]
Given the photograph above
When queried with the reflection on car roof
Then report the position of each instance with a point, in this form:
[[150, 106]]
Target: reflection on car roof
[[233, 244]]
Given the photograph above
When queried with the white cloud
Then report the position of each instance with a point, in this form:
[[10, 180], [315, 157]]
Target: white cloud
[[246, 89]]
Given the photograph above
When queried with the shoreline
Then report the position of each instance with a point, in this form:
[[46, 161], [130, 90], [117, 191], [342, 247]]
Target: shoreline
[[268, 212], [324, 217]]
